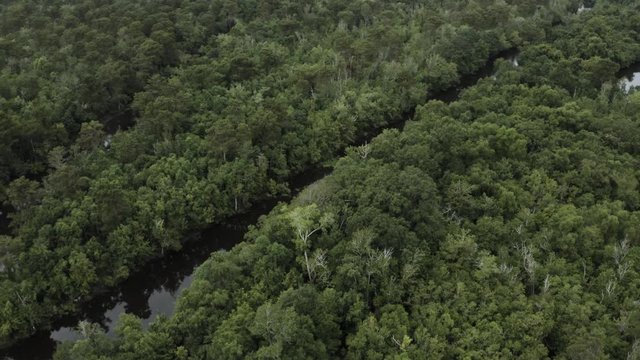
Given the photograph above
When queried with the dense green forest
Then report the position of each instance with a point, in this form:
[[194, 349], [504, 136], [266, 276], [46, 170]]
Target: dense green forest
[[503, 225], [127, 125]]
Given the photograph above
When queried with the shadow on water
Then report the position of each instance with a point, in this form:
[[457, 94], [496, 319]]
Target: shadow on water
[[118, 121]]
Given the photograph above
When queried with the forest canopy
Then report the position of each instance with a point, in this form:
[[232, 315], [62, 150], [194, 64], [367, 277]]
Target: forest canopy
[[501, 225], [129, 125]]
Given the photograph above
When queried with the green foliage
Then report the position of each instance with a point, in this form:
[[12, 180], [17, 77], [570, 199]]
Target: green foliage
[[218, 104], [502, 225]]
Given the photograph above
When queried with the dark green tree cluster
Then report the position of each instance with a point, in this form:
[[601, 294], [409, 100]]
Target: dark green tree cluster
[[230, 99], [503, 225], [580, 57], [455, 238], [64, 63]]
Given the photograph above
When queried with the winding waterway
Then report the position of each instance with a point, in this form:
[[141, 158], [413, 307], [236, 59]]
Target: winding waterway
[[153, 290]]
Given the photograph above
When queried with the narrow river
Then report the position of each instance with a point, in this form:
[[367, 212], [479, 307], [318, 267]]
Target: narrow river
[[153, 290]]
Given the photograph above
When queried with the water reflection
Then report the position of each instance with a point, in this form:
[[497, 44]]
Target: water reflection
[[170, 276], [582, 9], [148, 308], [585, 6], [514, 60], [153, 290], [630, 81]]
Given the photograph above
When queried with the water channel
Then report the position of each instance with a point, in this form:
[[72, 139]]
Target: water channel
[[154, 289]]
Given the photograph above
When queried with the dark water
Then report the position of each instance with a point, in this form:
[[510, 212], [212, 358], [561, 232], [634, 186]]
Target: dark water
[[153, 290], [489, 70], [4, 220], [118, 121]]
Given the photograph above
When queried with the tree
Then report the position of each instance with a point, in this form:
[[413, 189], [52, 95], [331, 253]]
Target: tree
[[23, 193], [306, 221]]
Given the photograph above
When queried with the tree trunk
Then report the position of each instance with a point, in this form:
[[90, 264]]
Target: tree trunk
[[306, 260]]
